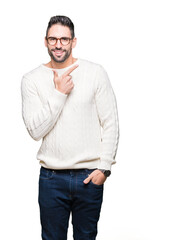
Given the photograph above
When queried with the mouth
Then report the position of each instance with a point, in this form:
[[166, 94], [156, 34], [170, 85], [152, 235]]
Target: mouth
[[58, 52]]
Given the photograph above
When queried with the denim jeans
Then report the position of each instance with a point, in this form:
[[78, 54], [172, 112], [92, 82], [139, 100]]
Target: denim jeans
[[62, 192]]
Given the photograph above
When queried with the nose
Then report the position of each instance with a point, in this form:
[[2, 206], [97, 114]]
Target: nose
[[58, 44]]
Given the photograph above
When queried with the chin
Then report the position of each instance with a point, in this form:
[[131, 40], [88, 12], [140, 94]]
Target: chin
[[59, 60]]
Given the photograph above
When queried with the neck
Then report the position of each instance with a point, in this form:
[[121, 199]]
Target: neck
[[66, 63]]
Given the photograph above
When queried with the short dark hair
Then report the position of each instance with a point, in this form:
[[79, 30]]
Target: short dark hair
[[62, 20]]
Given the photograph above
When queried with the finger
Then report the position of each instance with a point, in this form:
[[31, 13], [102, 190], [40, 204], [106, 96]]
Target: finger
[[68, 78], [87, 180], [70, 70], [55, 73], [94, 173]]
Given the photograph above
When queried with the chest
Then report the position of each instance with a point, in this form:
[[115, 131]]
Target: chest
[[82, 95]]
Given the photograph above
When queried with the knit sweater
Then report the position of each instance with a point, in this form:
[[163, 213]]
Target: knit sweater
[[79, 129]]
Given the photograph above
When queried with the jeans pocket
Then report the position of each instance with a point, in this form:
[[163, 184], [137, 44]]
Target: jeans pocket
[[46, 173], [91, 182], [96, 185]]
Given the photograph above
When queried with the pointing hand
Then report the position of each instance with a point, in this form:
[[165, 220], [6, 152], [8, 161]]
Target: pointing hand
[[64, 83]]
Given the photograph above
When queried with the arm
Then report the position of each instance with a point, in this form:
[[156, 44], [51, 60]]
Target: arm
[[108, 117], [40, 118]]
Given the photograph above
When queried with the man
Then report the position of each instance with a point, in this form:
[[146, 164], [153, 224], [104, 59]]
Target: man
[[69, 103]]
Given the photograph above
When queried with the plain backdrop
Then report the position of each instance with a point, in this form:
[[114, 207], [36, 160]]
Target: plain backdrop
[[134, 42]]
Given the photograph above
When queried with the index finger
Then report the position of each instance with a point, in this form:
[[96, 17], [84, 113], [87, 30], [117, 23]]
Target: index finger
[[70, 70]]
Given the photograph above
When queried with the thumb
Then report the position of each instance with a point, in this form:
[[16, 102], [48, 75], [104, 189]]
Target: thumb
[[87, 180], [55, 76], [55, 73]]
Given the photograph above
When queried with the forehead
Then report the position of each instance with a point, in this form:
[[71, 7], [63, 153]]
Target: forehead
[[58, 30]]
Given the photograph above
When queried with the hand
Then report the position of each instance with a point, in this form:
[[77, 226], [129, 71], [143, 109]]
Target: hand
[[97, 177], [64, 83]]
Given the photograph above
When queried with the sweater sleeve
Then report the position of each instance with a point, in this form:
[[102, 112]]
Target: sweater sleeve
[[108, 118], [40, 118]]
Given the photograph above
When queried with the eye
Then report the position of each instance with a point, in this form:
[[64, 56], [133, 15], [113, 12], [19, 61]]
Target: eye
[[52, 38], [65, 39]]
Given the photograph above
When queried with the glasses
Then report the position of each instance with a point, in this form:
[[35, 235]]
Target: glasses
[[63, 40]]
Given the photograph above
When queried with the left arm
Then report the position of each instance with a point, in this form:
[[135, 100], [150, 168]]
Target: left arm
[[108, 116]]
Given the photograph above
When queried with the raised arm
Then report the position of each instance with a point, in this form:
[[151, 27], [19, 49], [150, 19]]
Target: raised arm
[[40, 118], [108, 117]]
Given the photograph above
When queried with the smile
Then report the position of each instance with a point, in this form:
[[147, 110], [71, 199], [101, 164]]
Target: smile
[[58, 53]]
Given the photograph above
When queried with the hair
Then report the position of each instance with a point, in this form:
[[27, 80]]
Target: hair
[[62, 20]]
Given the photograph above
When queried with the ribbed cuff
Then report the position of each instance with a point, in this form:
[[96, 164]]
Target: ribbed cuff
[[105, 164]]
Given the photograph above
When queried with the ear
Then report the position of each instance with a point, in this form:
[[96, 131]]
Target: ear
[[74, 42], [45, 42]]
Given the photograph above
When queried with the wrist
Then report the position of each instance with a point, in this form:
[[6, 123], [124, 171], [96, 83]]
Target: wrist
[[107, 173]]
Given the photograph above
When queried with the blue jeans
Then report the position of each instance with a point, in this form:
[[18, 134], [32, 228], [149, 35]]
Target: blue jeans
[[62, 192]]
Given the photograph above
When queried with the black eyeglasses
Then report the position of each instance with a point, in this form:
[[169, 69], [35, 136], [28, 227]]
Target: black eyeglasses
[[63, 40]]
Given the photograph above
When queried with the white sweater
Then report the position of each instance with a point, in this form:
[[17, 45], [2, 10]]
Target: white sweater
[[79, 129]]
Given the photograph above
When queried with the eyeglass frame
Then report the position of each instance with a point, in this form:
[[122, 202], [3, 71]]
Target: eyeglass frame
[[60, 39]]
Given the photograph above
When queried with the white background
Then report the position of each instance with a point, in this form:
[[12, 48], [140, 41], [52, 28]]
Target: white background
[[134, 41]]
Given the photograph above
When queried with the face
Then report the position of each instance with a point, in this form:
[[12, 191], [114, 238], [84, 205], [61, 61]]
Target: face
[[59, 53]]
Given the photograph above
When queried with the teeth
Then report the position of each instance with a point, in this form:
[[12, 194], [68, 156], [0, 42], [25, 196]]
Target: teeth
[[58, 53]]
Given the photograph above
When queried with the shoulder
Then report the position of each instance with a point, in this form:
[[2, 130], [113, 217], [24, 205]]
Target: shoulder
[[29, 79], [34, 73], [91, 65], [97, 70]]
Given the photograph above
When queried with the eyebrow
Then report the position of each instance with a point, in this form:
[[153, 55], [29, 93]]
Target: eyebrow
[[60, 37]]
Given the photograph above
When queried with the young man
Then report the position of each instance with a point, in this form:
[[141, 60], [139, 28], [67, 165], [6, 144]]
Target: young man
[[69, 103]]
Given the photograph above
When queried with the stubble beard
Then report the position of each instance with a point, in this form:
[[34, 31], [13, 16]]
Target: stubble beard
[[62, 59]]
